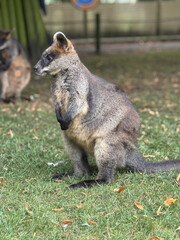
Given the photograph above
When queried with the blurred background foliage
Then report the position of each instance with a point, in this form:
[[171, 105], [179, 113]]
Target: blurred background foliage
[[25, 20]]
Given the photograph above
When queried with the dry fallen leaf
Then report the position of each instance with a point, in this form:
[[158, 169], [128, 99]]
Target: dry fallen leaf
[[169, 201], [35, 137], [80, 205], [92, 223], [9, 133], [119, 189], [19, 109], [176, 118], [27, 209], [178, 129], [84, 194], [107, 215], [2, 183], [164, 127], [24, 190], [28, 220], [154, 237], [158, 212], [2, 177], [67, 222], [34, 104], [176, 214], [5, 109], [58, 180], [147, 110], [136, 99], [148, 156], [67, 234], [138, 205], [178, 178], [57, 209], [146, 216]]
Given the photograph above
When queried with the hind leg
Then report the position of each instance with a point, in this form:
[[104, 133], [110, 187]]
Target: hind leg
[[4, 84], [78, 158], [108, 156], [22, 83]]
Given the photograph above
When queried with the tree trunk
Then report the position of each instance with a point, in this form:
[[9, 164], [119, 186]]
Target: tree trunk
[[24, 17], [12, 15], [5, 14], [30, 25], [42, 36], [21, 30]]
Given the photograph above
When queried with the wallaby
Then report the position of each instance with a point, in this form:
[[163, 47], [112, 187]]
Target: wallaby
[[96, 117], [15, 70]]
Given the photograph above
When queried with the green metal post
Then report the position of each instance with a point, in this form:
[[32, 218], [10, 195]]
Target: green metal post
[[97, 33]]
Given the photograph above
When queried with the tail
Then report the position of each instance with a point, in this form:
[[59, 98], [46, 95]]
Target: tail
[[137, 163], [152, 167]]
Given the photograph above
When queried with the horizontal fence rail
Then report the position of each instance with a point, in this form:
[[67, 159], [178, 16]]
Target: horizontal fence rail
[[141, 18]]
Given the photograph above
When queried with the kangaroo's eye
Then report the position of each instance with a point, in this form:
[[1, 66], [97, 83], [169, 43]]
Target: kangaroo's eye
[[49, 57]]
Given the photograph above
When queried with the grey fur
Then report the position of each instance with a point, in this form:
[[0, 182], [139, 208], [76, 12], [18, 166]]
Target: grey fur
[[97, 118]]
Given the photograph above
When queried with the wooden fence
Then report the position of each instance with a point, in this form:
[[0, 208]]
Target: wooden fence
[[131, 19]]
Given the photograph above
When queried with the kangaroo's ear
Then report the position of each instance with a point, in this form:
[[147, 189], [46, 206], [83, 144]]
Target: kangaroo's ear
[[8, 35], [60, 40]]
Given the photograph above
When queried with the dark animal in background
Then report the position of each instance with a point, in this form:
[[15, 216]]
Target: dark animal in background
[[15, 70], [96, 117]]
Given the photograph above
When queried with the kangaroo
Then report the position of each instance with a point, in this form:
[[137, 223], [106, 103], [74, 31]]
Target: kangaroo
[[95, 116], [15, 70]]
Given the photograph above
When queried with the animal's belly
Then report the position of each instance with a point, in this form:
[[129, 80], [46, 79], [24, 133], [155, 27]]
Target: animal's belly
[[81, 136]]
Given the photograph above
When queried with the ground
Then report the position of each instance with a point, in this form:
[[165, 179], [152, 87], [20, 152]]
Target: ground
[[135, 205]]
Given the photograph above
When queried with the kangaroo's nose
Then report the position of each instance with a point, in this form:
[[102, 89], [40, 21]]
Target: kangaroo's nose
[[35, 68]]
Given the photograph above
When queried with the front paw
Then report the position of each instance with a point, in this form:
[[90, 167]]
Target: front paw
[[61, 175], [64, 125], [64, 122]]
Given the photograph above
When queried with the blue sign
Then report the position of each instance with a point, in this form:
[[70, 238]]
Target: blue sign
[[84, 4]]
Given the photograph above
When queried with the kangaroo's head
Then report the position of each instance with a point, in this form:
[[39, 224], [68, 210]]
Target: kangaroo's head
[[58, 57], [4, 39]]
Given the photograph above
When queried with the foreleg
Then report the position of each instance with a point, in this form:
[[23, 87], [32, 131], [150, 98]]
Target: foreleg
[[78, 158], [63, 121]]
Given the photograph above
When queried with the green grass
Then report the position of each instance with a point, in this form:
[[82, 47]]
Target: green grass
[[152, 81]]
